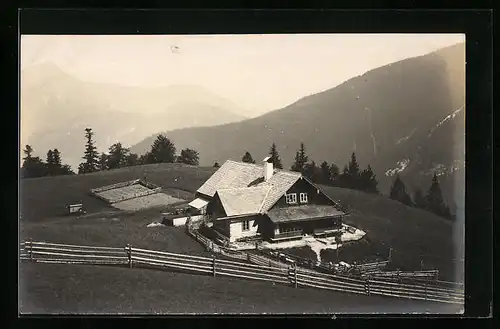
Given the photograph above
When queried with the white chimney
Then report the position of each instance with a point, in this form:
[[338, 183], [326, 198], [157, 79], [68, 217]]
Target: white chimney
[[268, 168]]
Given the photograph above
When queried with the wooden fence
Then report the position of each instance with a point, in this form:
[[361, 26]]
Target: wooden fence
[[401, 274], [362, 271], [114, 186], [370, 267], [43, 252]]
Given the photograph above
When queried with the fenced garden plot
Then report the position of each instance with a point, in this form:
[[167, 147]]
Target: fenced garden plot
[[43, 252], [133, 195], [146, 201]]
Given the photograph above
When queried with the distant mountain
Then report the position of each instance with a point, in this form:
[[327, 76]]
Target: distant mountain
[[56, 108], [405, 117]]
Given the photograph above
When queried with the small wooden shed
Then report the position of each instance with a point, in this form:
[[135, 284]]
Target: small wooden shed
[[76, 208]]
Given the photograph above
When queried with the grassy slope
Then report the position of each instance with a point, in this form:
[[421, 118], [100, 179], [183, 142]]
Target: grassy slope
[[47, 197], [48, 288], [412, 233], [105, 230], [43, 201]]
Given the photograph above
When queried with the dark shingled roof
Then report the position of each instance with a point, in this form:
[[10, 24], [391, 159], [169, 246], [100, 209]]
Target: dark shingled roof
[[302, 213]]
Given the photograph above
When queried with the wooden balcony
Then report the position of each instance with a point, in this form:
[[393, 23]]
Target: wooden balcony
[[326, 232], [286, 236]]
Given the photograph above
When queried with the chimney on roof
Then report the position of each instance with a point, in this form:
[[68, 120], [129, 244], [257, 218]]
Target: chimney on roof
[[268, 168]]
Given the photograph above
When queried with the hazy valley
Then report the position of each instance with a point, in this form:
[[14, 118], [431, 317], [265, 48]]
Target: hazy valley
[[56, 108]]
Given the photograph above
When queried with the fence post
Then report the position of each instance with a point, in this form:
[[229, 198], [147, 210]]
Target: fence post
[[30, 243], [213, 265], [129, 255], [295, 274], [248, 257], [425, 289], [367, 286]]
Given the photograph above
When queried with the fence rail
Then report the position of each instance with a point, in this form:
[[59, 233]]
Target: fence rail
[[371, 266], [362, 271], [42, 252], [114, 186], [401, 274]]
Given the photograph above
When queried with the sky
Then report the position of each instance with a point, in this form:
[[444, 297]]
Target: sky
[[258, 72]]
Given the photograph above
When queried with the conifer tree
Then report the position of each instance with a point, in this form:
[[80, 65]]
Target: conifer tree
[[434, 199], [399, 193], [28, 152], [117, 157], [66, 170], [312, 172], [51, 167], [247, 157], [326, 174], [54, 167], [162, 151], [91, 156], [50, 157], [32, 166], [275, 157], [189, 156], [353, 166], [367, 181], [350, 177], [301, 159], [103, 162], [57, 157], [334, 174], [132, 159]]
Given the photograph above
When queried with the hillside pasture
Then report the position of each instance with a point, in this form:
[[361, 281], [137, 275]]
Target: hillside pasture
[[113, 229], [413, 234], [85, 289], [46, 197]]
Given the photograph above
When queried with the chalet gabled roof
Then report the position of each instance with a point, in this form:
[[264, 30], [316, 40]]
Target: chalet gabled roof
[[235, 179], [231, 174], [246, 200], [242, 190]]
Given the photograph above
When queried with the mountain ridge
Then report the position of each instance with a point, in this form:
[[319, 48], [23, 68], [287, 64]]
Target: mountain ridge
[[56, 107], [384, 115]]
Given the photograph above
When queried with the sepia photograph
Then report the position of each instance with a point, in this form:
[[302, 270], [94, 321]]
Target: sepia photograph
[[242, 174]]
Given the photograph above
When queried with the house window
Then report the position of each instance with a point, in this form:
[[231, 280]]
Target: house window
[[246, 225], [303, 197], [291, 198]]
